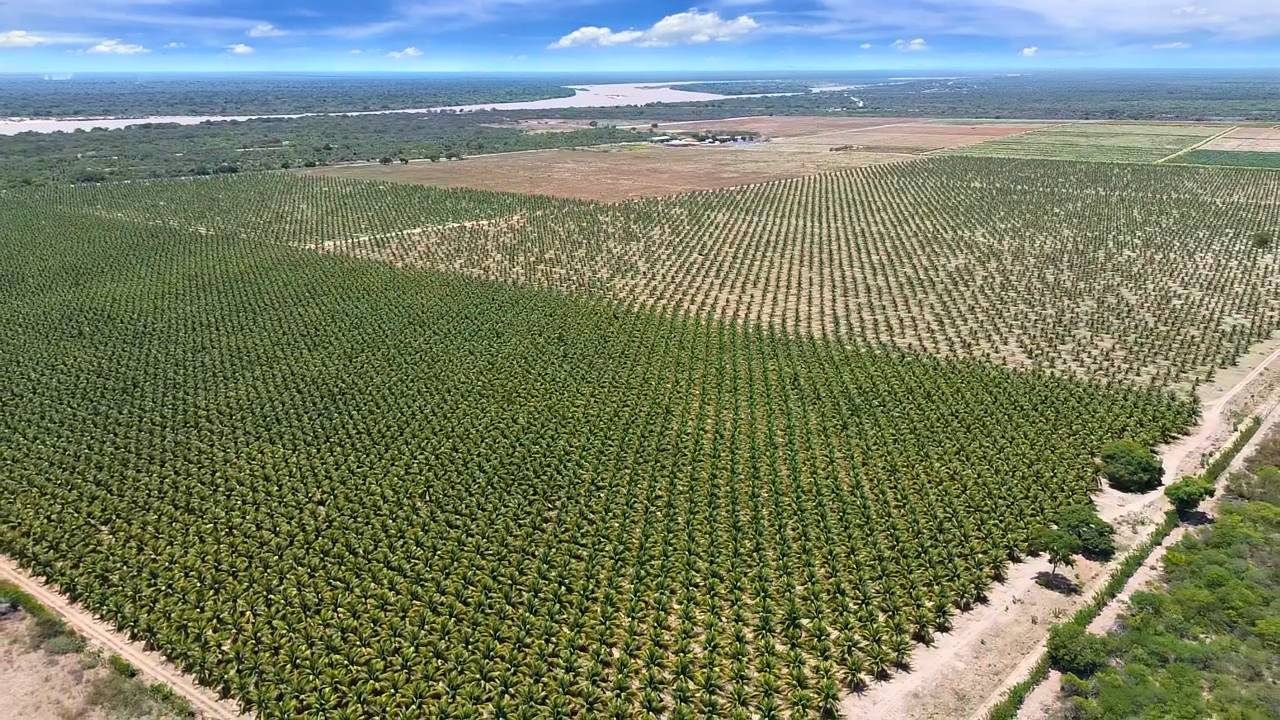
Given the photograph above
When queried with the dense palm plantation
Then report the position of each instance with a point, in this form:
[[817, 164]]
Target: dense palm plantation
[[334, 488]]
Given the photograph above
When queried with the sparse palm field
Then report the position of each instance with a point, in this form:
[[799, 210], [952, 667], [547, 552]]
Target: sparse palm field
[[346, 449], [1096, 142], [1094, 270]]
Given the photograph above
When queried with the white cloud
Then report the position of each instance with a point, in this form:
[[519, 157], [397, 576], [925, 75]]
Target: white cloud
[[21, 39], [1177, 45], [913, 45], [264, 30], [240, 49], [1031, 51], [115, 47], [174, 46], [692, 28], [591, 35], [1087, 20], [409, 52], [357, 51], [866, 46]]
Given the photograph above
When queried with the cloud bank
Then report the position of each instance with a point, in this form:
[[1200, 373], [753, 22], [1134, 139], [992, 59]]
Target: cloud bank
[[686, 28]]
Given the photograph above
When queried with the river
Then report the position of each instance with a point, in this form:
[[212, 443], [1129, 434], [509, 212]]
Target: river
[[607, 95]]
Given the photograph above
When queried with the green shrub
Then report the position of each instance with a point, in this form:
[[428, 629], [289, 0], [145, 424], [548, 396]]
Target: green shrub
[[1131, 467], [1187, 493], [1075, 686], [1073, 650], [122, 666], [64, 644]]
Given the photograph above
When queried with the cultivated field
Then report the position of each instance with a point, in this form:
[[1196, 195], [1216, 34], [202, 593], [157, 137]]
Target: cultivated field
[[1108, 142], [1249, 139], [1241, 147], [1230, 158], [910, 137], [348, 449], [947, 256], [778, 126], [615, 173], [796, 147]]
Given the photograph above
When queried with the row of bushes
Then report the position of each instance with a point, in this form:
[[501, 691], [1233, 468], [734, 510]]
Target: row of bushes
[[1070, 646]]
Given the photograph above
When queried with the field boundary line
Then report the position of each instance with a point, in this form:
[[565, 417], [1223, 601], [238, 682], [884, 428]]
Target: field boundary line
[[959, 149], [101, 633], [1198, 145]]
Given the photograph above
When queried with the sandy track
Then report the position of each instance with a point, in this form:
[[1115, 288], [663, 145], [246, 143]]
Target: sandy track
[[150, 664], [995, 645], [1043, 703]]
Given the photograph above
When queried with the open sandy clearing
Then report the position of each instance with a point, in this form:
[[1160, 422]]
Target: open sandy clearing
[[779, 126], [619, 172], [1247, 140], [38, 685]]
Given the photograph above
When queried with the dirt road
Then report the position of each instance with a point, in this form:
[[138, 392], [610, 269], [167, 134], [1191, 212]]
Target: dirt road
[[150, 664]]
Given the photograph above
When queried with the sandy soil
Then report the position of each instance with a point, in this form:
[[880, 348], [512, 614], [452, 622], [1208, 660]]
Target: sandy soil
[[995, 646], [1249, 139], [149, 664], [38, 685], [778, 126], [913, 136], [617, 172], [543, 126], [1043, 703]]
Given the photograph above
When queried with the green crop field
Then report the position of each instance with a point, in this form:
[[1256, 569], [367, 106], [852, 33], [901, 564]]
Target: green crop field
[[1092, 270], [1230, 158], [346, 449], [1128, 143]]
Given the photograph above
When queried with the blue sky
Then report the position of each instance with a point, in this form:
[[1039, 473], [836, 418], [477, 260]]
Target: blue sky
[[602, 35]]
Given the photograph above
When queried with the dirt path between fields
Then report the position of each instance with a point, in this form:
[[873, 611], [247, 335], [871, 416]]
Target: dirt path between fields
[[1043, 703], [995, 645], [97, 632]]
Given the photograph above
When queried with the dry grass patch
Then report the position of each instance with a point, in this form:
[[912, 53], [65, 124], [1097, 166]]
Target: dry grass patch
[[616, 173]]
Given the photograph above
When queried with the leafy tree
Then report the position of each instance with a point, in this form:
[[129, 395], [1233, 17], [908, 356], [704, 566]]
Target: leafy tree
[[1060, 545], [1187, 493], [1072, 649], [1131, 467], [1096, 536], [1262, 239]]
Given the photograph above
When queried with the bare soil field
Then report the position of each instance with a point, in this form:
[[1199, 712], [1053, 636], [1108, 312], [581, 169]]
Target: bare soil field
[[39, 685], [772, 126], [544, 125], [911, 136], [1247, 140], [617, 173]]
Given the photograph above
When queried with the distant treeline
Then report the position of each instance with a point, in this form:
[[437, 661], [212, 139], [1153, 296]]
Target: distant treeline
[[167, 150], [129, 96], [1191, 95]]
